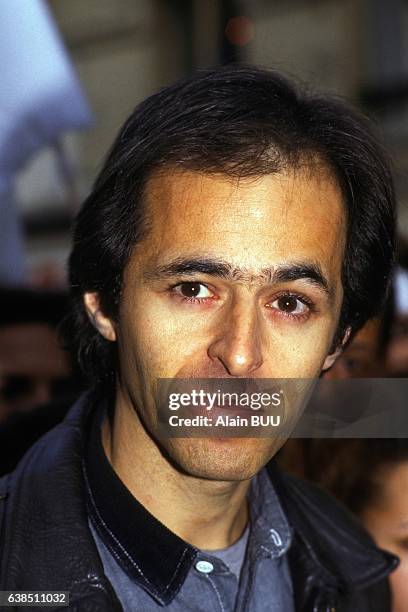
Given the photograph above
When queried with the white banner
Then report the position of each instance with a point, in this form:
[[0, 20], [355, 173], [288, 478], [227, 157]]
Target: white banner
[[40, 95]]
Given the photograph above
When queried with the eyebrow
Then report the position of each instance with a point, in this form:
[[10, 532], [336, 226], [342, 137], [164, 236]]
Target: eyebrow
[[287, 272]]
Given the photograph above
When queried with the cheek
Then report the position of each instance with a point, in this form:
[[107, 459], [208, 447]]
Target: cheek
[[305, 345], [153, 336], [399, 585], [300, 349]]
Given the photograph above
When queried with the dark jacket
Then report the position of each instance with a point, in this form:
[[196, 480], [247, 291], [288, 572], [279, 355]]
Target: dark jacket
[[46, 543]]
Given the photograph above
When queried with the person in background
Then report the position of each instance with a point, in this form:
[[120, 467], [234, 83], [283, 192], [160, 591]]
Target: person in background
[[371, 478], [34, 369], [37, 383], [366, 355]]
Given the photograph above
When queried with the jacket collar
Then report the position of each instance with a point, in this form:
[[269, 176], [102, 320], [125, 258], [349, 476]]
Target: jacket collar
[[148, 551], [343, 555], [48, 518]]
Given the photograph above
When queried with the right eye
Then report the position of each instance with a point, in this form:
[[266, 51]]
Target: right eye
[[193, 291]]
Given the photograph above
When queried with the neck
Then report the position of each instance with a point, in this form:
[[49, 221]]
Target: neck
[[208, 514]]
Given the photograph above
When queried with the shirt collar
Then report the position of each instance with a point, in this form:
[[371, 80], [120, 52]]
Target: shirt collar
[[270, 529], [147, 550]]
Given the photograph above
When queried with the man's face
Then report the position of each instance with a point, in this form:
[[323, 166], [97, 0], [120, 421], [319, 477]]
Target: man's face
[[234, 279], [363, 358]]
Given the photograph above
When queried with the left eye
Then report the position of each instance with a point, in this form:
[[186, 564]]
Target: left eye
[[289, 304], [193, 290]]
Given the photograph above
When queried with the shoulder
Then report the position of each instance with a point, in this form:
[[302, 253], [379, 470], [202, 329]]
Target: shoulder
[[46, 541], [56, 446], [336, 544]]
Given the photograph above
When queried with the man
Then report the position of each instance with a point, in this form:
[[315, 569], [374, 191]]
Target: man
[[239, 230]]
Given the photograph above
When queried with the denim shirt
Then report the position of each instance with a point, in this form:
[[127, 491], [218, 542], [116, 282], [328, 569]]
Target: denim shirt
[[197, 580]]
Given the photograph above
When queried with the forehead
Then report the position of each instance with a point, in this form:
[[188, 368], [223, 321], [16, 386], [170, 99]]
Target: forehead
[[249, 221], [246, 221]]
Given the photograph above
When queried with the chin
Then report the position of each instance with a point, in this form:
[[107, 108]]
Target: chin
[[221, 459]]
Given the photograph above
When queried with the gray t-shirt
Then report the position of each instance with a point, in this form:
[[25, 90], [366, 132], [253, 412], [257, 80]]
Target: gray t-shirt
[[233, 556]]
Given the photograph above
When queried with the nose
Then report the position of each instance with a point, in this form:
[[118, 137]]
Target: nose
[[237, 345]]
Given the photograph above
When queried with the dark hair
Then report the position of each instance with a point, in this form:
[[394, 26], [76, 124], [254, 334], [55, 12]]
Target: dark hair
[[387, 319], [353, 468], [242, 121]]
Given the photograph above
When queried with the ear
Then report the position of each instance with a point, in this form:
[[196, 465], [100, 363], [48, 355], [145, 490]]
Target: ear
[[102, 323], [330, 359]]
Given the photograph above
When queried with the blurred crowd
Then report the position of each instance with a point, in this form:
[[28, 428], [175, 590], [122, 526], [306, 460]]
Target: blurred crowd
[[37, 381]]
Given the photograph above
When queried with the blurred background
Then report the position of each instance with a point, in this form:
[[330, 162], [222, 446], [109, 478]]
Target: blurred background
[[124, 50], [72, 71]]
